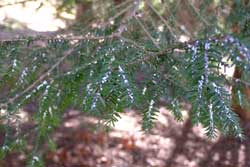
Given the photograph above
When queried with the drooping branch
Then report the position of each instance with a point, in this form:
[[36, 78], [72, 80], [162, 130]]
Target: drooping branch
[[16, 3]]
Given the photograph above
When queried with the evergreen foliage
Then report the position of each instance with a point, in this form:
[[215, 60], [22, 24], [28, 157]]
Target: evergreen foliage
[[130, 57]]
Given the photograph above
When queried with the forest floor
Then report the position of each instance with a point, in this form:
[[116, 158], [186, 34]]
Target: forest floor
[[79, 143]]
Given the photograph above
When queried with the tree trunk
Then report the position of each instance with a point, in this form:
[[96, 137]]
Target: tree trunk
[[242, 111]]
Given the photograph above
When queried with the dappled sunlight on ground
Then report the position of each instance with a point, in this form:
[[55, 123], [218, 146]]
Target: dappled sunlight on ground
[[79, 141], [128, 123], [37, 16]]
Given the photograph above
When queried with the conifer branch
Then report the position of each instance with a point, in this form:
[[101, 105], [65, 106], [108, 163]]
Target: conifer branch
[[41, 78]]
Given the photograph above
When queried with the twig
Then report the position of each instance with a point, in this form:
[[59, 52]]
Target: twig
[[122, 3], [175, 20], [132, 42], [121, 12], [146, 31], [163, 19], [121, 29], [71, 38], [151, 55], [16, 3], [41, 78], [128, 16], [232, 81], [197, 13]]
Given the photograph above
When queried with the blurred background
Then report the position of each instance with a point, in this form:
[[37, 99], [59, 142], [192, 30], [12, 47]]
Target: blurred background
[[79, 142]]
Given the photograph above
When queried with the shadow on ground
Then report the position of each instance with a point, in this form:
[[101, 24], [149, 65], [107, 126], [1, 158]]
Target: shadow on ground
[[170, 144]]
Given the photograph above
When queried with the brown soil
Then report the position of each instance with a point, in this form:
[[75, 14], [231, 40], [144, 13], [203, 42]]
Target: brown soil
[[169, 144]]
